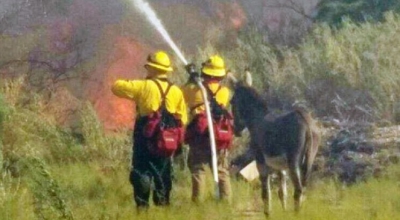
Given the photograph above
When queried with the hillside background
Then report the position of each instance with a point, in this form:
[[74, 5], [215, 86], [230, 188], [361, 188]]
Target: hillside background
[[89, 44], [65, 139]]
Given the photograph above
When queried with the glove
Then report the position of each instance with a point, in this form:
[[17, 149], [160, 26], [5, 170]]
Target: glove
[[191, 69], [193, 74]]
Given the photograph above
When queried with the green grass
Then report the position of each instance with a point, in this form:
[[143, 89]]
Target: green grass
[[48, 172], [91, 191], [358, 63]]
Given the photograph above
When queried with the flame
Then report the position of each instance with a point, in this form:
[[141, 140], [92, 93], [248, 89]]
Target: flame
[[127, 61], [232, 14]]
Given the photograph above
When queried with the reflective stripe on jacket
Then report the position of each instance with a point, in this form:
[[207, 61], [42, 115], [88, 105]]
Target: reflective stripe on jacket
[[147, 96]]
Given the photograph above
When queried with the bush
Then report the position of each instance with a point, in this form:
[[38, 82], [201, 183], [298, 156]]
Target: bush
[[3, 115], [349, 74], [97, 144], [334, 12]]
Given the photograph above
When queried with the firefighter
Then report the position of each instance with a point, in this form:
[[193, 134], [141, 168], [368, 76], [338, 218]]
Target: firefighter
[[148, 167], [199, 158]]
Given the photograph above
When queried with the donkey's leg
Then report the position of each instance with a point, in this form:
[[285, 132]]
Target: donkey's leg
[[282, 192], [295, 160], [265, 187], [294, 170]]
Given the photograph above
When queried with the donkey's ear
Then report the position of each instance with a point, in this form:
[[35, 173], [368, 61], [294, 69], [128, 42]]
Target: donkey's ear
[[231, 79], [248, 78]]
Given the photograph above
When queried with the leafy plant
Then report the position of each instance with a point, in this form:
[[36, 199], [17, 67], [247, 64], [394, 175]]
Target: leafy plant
[[337, 11]]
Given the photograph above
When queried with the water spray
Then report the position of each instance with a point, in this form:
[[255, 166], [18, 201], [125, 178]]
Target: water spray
[[151, 16]]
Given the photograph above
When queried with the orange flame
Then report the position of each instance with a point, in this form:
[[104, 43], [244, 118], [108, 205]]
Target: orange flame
[[127, 58]]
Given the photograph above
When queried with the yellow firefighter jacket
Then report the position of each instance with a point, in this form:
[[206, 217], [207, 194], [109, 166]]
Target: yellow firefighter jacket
[[194, 99], [147, 96]]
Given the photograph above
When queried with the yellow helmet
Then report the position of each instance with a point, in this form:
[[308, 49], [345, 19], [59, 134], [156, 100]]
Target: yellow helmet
[[214, 66], [159, 60]]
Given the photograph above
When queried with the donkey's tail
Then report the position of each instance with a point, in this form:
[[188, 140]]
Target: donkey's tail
[[311, 150], [311, 145]]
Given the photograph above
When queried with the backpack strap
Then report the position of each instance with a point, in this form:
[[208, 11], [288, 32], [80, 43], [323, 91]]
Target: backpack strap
[[163, 94], [216, 108], [215, 93], [196, 106], [211, 95]]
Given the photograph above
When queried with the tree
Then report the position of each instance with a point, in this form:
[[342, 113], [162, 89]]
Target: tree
[[54, 38], [334, 11]]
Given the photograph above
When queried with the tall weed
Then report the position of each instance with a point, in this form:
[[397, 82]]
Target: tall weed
[[97, 144], [49, 202], [29, 132], [351, 73], [3, 115]]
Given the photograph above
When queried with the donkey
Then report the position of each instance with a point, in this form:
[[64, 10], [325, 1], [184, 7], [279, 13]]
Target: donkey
[[286, 143]]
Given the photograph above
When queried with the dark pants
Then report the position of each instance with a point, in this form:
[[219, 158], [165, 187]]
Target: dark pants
[[146, 169]]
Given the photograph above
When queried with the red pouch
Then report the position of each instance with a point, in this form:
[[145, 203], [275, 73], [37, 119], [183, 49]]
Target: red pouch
[[201, 124], [196, 129], [167, 142], [223, 131], [149, 130]]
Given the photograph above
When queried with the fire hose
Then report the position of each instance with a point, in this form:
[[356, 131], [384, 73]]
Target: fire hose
[[195, 77], [151, 16]]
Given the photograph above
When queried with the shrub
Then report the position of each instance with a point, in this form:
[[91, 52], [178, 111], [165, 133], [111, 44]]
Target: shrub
[[3, 115], [97, 144], [350, 74]]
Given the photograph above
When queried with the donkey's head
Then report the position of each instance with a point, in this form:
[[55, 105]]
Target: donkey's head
[[245, 102]]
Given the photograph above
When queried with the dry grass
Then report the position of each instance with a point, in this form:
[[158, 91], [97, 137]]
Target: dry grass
[[50, 173]]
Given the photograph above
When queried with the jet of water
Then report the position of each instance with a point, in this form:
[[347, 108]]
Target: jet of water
[[151, 16], [145, 8]]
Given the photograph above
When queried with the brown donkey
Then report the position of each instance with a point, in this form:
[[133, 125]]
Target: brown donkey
[[287, 143]]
